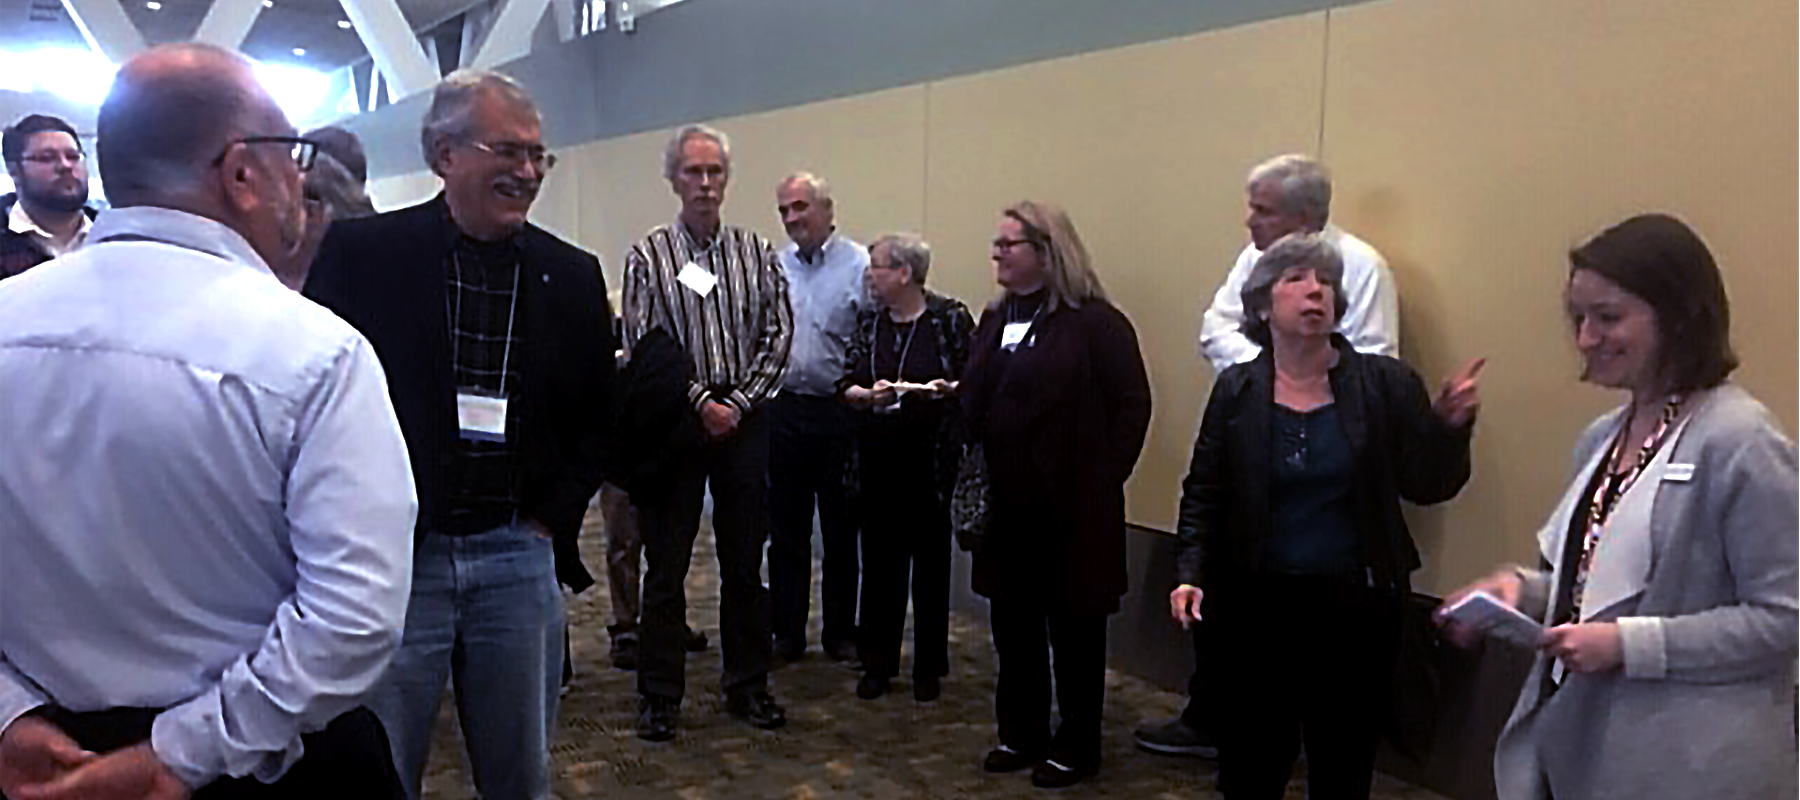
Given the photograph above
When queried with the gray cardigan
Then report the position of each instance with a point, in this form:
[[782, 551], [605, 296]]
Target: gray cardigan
[[1704, 706]]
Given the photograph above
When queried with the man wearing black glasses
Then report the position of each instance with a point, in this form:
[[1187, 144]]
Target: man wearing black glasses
[[48, 215], [207, 554], [498, 345]]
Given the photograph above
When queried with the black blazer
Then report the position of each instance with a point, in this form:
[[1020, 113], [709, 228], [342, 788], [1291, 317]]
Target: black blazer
[[1402, 449], [386, 276]]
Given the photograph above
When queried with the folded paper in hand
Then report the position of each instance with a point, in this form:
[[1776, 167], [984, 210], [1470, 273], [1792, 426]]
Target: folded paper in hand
[[1485, 613]]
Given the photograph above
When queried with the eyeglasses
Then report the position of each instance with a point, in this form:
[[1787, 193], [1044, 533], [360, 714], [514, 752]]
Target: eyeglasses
[[1008, 244], [302, 151], [54, 157], [518, 152]]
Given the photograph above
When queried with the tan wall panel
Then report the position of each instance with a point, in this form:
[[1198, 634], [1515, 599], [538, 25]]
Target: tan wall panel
[[1476, 142], [1147, 147], [869, 147]]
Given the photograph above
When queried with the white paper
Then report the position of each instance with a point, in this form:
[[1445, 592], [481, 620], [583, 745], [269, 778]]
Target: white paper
[[1680, 473], [1485, 613], [698, 279], [1013, 334], [481, 417]]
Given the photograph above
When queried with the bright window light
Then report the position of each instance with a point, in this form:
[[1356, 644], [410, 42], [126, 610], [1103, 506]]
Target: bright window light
[[82, 76], [298, 90]]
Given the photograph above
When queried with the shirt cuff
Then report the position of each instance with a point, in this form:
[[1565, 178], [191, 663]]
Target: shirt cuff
[[17, 697], [190, 739], [739, 399], [698, 395], [1643, 648]]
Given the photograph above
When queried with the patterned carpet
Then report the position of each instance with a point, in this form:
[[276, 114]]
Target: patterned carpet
[[834, 745]]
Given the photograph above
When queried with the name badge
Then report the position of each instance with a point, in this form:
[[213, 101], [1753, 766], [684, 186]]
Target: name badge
[[1679, 473], [697, 279], [1013, 334], [481, 417]]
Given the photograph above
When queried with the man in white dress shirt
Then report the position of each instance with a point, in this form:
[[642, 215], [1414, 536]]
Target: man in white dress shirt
[[207, 517], [1292, 194], [1286, 194]]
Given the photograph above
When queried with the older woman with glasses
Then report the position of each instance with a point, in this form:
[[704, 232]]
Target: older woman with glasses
[[1291, 528], [1668, 569], [1057, 396], [904, 361]]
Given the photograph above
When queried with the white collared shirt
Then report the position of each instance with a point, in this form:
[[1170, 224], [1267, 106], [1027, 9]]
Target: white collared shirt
[[826, 292], [20, 222], [1371, 319], [207, 504]]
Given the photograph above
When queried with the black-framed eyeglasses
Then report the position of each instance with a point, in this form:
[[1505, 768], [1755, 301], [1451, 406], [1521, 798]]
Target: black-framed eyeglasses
[[519, 152], [1008, 244], [302, 151], [55, 157]]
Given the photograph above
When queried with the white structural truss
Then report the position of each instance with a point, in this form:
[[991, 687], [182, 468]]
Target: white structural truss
[[227, 22], [107, 30], [391, 42]]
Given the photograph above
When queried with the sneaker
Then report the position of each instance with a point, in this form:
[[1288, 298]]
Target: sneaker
[[1175, 738], [1053, 774], [1006, 759], [624, 653]]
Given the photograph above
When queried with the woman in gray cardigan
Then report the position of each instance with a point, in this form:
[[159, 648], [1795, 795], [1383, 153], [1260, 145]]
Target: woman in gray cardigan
[[1668, 582]]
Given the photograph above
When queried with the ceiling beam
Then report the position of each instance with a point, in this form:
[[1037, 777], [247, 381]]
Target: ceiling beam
[[391, 43], [564, 11], [227, 22], [509, 37], [106, 28]]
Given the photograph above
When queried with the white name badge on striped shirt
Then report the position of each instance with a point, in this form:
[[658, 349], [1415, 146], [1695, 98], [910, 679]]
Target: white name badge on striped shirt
[[696, 278], [481, 417]]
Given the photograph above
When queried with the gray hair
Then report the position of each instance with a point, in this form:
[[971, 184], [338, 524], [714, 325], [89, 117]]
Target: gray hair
[[1293, 251], [672, 153], [908, 250], [1302, 183], [451, 118], [336, 187], [821, 191]]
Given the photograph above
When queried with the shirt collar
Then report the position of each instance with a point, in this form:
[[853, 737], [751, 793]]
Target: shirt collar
[[20, 222], [178, 228], [818, 257], [694, 246]]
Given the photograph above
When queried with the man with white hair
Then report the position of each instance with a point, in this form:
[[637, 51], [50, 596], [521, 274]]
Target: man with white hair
[[1292, 194], [1286, 194], [499, 351], [810, 428]]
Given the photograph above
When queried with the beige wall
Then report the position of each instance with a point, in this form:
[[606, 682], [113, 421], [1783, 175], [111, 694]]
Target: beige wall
[[1473, 141]]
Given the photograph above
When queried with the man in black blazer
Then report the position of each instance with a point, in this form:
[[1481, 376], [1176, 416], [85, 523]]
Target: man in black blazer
[[497, 343]]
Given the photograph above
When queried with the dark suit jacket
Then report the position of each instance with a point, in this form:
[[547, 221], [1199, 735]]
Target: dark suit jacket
[[1401, 449], [386, 275], [1061, 422], [656, 423], [17, 251]]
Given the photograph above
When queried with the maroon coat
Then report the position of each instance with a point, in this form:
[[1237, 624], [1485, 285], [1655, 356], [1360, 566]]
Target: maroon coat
[[1062, 418]]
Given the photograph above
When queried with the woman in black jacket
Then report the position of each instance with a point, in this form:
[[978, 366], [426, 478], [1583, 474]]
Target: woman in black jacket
[[904, 360], [1291, 527]]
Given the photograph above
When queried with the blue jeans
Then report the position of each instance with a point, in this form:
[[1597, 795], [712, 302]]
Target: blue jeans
[[486, 612]]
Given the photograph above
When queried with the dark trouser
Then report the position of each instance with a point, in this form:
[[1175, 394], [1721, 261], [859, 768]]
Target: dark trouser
[[624, 551], [1022, 687], [348, 760], [905, 529], [1203, 685], [809, 447], [736, 467], [1312, 662]]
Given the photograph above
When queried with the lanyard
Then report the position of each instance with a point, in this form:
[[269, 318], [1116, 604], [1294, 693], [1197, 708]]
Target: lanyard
[[900, 366], [456, 322]]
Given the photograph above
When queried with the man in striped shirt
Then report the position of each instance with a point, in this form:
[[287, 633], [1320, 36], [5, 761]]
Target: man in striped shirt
[[719, 291]]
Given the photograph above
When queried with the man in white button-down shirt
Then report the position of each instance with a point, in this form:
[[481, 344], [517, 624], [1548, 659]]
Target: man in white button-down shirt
[[206, 516]]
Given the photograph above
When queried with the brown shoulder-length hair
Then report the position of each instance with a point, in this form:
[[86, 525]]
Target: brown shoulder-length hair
[[1068, 273], [1661, 260]]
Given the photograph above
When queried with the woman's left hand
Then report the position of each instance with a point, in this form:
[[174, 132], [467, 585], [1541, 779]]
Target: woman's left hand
[[1586, 646], [1460, 396], [941, 388]]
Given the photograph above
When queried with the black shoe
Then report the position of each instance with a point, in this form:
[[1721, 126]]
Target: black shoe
[[1053, 774], [758, 709], [926, 690], [871, 686], [841, 651], [696, 640], [1175, 738], [1006, 759], [624, 653], [789, 650], [656, 718]]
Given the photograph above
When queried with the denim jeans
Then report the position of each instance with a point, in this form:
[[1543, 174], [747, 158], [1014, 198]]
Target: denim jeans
[[486, 613]]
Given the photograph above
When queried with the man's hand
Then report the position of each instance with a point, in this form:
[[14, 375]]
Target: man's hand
[[719, 419], [134, 773], [1587, 646], [883, 394], [1184, 604], [34, 753], [941, 388], [1460, 396]]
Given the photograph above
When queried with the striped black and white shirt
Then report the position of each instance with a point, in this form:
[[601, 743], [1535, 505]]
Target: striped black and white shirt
[[738, 333]]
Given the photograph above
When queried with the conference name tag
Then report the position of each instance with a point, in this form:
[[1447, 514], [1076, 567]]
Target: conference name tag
[[1013, 334], [481, 417], [698, 279]]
